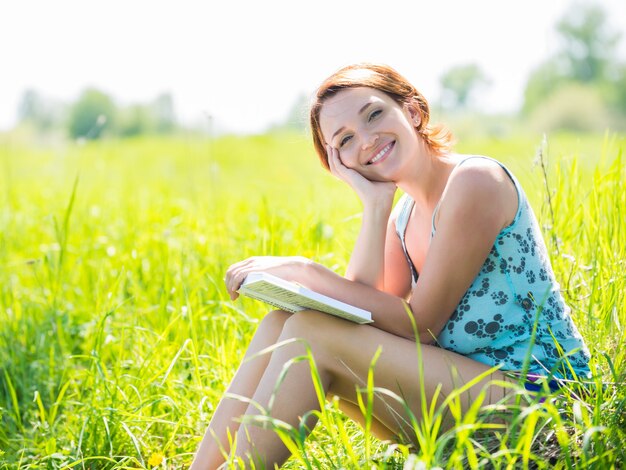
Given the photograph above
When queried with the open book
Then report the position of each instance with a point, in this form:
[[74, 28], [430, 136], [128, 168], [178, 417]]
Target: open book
[[294, 297]]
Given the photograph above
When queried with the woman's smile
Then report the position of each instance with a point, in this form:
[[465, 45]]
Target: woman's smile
[[382, 154]]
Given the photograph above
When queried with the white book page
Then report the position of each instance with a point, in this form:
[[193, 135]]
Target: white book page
[[275, 300], [293, 297]]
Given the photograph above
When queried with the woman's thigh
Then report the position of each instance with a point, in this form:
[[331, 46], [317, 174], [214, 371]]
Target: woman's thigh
[[416, 373]]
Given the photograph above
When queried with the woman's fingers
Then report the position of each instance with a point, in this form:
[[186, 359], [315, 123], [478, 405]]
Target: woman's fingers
[[236, 274], [337, 168], [368, 191], [332, 163], [281, 266]]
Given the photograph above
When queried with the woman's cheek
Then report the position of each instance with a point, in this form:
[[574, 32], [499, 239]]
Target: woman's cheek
[[362, 171], [346, 158]]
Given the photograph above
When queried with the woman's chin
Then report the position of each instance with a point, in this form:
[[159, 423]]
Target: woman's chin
[[379, 179]]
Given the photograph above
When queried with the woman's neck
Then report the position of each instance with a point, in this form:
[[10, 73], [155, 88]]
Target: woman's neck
[[426, 179]]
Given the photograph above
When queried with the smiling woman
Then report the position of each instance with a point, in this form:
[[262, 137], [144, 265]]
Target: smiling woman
[[459, 265], [392, 87]]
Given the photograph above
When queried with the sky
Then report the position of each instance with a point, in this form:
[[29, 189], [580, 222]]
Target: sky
[[244, 63]]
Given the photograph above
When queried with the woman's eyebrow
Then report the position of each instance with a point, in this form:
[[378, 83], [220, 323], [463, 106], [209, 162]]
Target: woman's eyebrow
[[361, 111]]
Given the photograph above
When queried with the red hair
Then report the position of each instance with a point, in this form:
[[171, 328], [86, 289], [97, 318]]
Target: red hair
[[383, 78]]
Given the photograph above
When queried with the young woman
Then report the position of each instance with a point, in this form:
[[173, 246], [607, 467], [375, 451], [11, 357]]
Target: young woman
[[461, 256]]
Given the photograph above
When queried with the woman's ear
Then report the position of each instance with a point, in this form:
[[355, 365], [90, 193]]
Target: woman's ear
[[412, 111]]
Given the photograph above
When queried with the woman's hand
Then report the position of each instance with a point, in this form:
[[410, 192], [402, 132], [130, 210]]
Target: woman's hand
[[371, 193], [285, 267]]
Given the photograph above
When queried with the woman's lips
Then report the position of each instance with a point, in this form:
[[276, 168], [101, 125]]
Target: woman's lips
[[383, 153]]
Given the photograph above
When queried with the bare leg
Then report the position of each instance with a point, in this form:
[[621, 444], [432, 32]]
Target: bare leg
[[343, 352], [379, 430], [244, 383]]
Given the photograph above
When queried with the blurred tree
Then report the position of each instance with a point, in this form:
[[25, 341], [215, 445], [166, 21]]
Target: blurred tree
[[587, 57], [89, 116], [297, 118], [589, 46], [164, 114], [460, 83], [574, 106], [156, 117], [30, 107], [135, 120], [39, 112], [618, 91], [543, 81]]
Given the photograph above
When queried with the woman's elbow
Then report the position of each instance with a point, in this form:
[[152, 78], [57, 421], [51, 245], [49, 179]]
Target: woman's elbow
[[428, 338]]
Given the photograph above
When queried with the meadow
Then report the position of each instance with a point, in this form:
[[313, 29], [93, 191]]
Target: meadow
[[117, 337]]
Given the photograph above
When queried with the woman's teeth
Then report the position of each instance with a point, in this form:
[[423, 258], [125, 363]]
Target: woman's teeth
[[380, 154]]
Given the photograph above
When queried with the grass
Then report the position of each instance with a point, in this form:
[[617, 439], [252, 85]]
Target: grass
[[117, 338]]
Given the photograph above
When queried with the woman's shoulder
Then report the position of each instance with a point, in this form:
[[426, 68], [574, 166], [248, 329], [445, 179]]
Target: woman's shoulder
[[476, 174], [478, 182]]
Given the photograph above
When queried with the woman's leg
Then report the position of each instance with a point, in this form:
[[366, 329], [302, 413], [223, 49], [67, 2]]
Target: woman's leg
[[245, 381], [352, 411], [343, 352]]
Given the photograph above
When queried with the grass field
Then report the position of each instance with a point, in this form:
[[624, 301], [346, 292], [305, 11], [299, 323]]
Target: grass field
[[117, 337]]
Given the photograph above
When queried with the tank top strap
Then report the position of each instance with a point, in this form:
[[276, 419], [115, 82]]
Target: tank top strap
[[404, 207]]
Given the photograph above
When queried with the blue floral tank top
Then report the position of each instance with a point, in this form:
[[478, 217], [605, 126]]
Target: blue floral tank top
[[513, 314]]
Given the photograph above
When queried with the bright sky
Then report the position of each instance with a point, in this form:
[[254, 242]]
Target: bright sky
[[245, 62]]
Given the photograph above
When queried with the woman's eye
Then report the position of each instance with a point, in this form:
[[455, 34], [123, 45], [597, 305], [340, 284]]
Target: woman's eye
[[345, 140], [374, 114]]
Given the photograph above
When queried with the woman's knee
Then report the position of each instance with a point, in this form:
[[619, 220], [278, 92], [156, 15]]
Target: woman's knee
[[299, 323], [314, 327], [273, 323]]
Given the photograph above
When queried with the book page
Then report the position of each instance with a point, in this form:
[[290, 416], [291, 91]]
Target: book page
[[292, 297], [275, 300]]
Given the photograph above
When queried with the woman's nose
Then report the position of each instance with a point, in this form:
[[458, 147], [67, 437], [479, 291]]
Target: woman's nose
[[369, 141]]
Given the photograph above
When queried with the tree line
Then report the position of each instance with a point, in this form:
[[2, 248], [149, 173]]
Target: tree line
[[95, 114], [582, 87]]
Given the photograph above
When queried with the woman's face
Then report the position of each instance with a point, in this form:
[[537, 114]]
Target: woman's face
[[373, 133]]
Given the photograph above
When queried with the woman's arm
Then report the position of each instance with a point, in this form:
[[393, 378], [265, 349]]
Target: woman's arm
[[480, 202], [397, 270], [389, 312], [378, 258], [367, 262]]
